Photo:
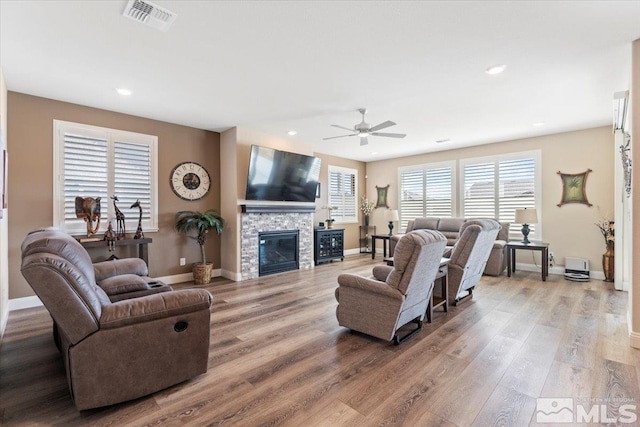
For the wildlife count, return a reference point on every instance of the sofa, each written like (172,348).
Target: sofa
(450,228)
(122,350)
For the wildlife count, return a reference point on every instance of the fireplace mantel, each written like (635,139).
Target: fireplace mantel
(278,208)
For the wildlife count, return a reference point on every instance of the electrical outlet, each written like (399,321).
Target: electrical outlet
(183,261)
(551,259)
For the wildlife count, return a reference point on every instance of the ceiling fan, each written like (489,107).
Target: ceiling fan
(363,130)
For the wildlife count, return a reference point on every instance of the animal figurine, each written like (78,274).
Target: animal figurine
(110,237)
(139,234)
(88,209)
(120,227)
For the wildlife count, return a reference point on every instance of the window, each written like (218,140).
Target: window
(426,190)
(343,193)
(90,161)
(494,187)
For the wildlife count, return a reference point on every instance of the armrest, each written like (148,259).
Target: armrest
(369,285)
(106,269)
(381,272)
(499,244)
(152,307)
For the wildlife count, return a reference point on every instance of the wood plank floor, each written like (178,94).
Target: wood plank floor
(278,357)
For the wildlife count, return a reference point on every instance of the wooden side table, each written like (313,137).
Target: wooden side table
(443,300)
(385,242)
(532,246)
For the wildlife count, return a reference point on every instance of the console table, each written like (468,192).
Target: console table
(142,244)
(329,244)
(532,246)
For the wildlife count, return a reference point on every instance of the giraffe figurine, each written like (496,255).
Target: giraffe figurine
(120,228)
(139,234)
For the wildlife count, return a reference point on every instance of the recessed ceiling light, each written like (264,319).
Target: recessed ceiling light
(373,153)
(495,69)
(292,132)
(538,124)
(442,141)
(124,92)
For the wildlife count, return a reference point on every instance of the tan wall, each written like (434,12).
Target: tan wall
(31,170)
(569,229)
(634,127)
(4,222)
(229,205)
(351,231)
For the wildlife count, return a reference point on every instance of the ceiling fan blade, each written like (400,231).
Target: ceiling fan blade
(341,136)
(342,127)
(364,140)
(382,126)
(389,135)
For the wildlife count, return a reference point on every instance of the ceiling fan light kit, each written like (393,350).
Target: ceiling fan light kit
(364,130)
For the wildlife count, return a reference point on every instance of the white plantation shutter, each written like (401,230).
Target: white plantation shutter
(343,193)
(479,191)
(426,190)
(97,162)
(495,187)
(517,190)
(132,178)
(85,166)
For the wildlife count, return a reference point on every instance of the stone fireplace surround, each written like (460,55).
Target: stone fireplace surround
(254,223)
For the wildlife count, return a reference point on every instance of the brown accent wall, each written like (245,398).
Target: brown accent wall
(30,141)
(351,231)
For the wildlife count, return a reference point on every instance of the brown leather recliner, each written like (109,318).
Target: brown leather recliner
(114,351)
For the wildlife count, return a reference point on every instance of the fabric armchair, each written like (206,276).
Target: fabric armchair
(469,257)
(394,296)
(114,351)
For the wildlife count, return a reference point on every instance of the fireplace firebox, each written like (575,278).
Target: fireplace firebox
(278,251)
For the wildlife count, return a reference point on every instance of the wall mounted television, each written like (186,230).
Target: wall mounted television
(276,175)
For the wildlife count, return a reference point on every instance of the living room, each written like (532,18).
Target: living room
(222,145)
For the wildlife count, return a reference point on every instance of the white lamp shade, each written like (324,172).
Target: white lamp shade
(526,216)
(391,215)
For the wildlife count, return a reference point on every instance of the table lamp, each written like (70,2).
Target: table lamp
(391,215)
(525,217)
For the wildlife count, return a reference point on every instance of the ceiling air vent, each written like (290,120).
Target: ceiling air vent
(149,14)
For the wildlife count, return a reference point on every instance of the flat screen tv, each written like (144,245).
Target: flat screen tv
(276,175)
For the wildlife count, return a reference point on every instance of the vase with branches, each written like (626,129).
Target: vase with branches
(367,208)
(329,221)
(607,228)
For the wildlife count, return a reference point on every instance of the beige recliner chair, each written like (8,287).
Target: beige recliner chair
(394,296)
(469,257)
(114,351)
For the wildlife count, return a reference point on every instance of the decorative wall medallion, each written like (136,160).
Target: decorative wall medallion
(190,181)
(573,188)
(382,197)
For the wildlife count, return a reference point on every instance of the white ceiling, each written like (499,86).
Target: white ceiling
(274,66)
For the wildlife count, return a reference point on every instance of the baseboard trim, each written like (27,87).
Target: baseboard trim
(185,277)
(634,339)
(24,302)
(598,275)
(236,277)
(352,251)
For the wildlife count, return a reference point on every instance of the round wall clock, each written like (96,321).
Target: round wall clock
(190,181)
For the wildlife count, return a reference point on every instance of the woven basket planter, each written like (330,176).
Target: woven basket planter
(202,273)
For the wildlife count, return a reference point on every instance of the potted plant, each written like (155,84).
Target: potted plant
(192,221)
